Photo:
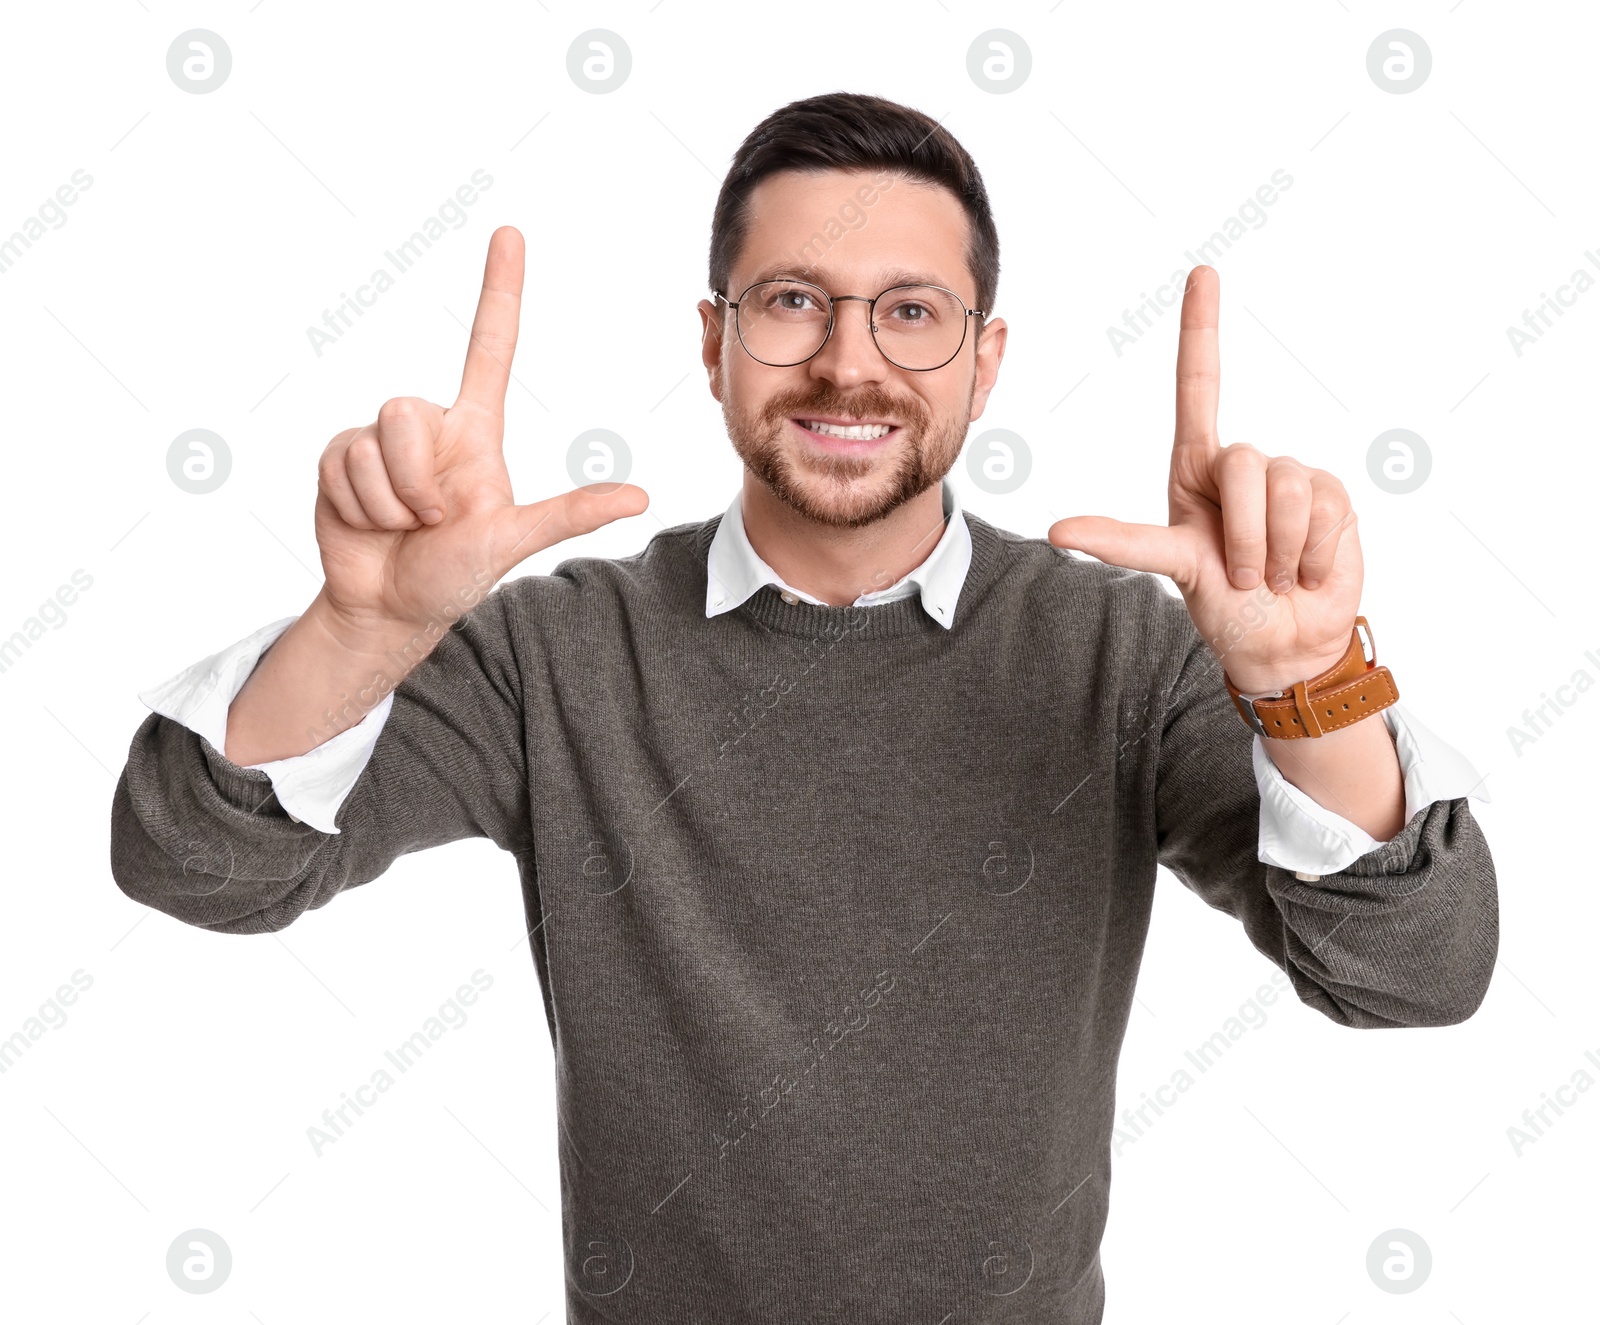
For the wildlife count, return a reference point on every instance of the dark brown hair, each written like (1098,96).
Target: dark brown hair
(853,131)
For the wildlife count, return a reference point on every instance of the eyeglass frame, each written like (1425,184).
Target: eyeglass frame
(872,326)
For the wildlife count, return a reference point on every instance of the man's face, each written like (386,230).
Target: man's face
(850,233)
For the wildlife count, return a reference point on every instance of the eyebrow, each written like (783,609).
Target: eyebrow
(820,276)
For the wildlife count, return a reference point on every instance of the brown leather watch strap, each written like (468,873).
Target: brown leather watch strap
(1355,687)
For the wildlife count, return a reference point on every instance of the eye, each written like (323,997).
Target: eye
(787,298)
(924,311)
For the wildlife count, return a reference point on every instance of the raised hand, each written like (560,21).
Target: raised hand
(415,509)
(1263,548)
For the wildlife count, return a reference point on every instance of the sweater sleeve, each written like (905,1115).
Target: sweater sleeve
(207,841)
(1404,935)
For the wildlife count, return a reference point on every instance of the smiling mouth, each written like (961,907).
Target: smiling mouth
(858,432)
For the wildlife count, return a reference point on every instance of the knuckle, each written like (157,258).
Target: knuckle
(336,447)
(364,448)
(1325,512)
(1292,483)
(399,410)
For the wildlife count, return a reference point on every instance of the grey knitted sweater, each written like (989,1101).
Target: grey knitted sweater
(836,914)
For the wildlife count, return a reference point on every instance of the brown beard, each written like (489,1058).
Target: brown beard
(925,452)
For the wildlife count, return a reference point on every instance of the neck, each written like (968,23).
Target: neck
(839,565)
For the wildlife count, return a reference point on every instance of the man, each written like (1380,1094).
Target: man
(837,815)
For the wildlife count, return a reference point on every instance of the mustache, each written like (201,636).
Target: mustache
(867,402)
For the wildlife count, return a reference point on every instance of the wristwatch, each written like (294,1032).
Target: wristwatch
(1352,689)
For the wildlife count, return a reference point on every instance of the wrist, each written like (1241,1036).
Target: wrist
(369,635)
(1282,676)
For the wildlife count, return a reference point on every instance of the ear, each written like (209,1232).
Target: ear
(991,349)
(711,344)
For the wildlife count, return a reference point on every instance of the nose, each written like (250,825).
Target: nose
(850,356)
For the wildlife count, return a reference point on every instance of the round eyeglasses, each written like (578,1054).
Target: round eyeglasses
(785,322)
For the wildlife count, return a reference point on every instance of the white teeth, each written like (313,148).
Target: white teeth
(864,432)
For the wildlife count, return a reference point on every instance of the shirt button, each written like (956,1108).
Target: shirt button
(789,597)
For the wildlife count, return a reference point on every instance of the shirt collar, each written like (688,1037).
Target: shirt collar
(734,571)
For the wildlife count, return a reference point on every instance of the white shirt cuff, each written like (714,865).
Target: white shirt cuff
(1296,833)
(312,786)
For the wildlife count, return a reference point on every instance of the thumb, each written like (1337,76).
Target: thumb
(520,531)
(1158,548)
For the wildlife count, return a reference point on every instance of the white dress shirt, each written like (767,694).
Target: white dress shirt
(1296,833)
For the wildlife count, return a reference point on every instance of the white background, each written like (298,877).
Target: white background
(219,227)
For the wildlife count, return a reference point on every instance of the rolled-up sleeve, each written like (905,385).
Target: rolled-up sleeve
(1405,933)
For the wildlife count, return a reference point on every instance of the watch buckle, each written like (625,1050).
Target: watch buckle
(1252,719)
(1369,650)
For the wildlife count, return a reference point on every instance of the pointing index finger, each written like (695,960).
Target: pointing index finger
(1199,363)
(494,326)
